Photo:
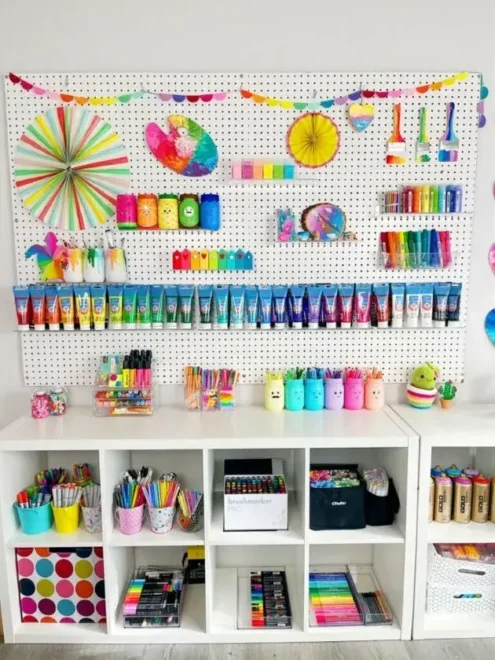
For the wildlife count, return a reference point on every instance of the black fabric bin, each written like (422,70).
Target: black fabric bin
(337,508)
(382,510)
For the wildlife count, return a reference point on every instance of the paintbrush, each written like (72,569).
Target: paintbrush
(449,144)
(396,150)
(423,146)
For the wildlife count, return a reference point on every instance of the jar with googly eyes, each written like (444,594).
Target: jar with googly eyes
(374,394)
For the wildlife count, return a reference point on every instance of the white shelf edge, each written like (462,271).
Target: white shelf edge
(176,537)
(53,539)
(368,535)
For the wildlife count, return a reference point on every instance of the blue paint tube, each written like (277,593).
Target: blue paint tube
(314,297)
(280,306)
(426,307)
(413,298)
(171,306)
(440,304)
(398,294)
(265,294)
(236,307)
(251,304)
(186,294)
(454,304)
(221,304)
(205,295)
(363,305)
(346,295)
(296,295)
(382,302)
(329,305)
(156,306)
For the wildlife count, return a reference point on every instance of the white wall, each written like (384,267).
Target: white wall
(254,35)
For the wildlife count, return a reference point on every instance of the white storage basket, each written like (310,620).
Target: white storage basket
(458,573)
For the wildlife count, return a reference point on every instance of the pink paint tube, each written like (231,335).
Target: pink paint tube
(346,292)
(381,294)
(362,302)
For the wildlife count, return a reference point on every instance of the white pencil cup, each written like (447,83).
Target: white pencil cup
(115,265)
(92,518)
(161,520)
(73,267)
(94,265)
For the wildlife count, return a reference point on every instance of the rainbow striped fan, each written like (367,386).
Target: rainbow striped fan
(69,168)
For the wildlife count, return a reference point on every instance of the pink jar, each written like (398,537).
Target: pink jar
(353,393)
(40,404)
(374,394)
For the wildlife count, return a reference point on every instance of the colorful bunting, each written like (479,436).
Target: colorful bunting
(434,86)
(110,100)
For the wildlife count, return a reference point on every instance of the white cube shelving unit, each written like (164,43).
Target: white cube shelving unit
(194,445)
(463,435)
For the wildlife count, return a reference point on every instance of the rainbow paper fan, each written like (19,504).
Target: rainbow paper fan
(313,140)
(69,168)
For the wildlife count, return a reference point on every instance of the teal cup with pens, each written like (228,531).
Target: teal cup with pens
(314,394)
(294,394)
(35,520)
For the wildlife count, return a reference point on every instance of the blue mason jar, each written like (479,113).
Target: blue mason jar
(209,212)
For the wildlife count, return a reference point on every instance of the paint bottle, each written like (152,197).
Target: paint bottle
(443,499)
(462,500)
(481,499)
(431,500)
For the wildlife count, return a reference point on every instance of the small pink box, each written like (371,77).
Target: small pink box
(247,169)
(236,171)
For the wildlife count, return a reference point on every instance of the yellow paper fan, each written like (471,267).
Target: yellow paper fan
(313,140)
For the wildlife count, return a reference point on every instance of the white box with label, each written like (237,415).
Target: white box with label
(254,511)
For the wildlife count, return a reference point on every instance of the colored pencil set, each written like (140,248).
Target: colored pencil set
(189,501)
(332,602)
(128,495)
(424,199)
(259,484)
(428,248)
(161,494)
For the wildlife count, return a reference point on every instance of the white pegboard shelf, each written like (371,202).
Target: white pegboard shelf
(228,331)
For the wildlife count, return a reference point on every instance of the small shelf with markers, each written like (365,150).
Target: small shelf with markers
(410,250)
(425,199)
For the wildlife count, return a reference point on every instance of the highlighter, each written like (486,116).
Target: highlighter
(392,241)
(411,248)
(435,250)
(417,241)
(401,249)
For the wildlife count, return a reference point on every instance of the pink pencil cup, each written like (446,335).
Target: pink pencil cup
(353,393)
(130,520)
(374,394)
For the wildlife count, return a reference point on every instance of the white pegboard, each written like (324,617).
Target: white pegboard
(242,128)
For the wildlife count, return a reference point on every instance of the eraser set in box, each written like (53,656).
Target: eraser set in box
(263,169)
(255,495)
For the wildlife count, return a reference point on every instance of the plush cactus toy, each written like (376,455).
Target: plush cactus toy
(425,376)
(447,391)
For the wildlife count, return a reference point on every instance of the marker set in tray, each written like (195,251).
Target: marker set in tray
(154,598)
(263,598)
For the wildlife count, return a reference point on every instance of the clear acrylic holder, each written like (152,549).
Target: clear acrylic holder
(123,401)
(192,398)
(161,615)
(364,581)
(416,261)
(244,602)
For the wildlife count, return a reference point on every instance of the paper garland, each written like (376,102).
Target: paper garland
(355,96)
(111,100)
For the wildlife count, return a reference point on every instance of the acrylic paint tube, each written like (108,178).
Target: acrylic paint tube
(426,307)
(143,307)
(398,294)
(329,305)
(362,302)
(314,304)
(280,306)
(266,294)
(381,293)
(171,306)
(221,305)
(66,302)
(205,294)
(186,294)
(23,307)
(454,304)
(251,304)
(236,294)
(83,305)
(440,304)
(52,307)
(296,295)
(156,293)
(346,293)
(38,299)
(115,305)
(99,305)
(413,301)
(130,306)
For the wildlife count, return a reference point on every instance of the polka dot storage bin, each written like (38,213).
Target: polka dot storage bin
(66,585)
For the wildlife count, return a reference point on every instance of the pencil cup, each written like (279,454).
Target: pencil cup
(161,519)
(227,398)
(294,395)
(314,394)
(334,394)
(130,520)
(374,394)
(210,400)
(73,266)
(37,520)
(66,518)
(353,393)
(92,518)
(274,395)
(194,523)
(192,398)
(115,265)
(94,265)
